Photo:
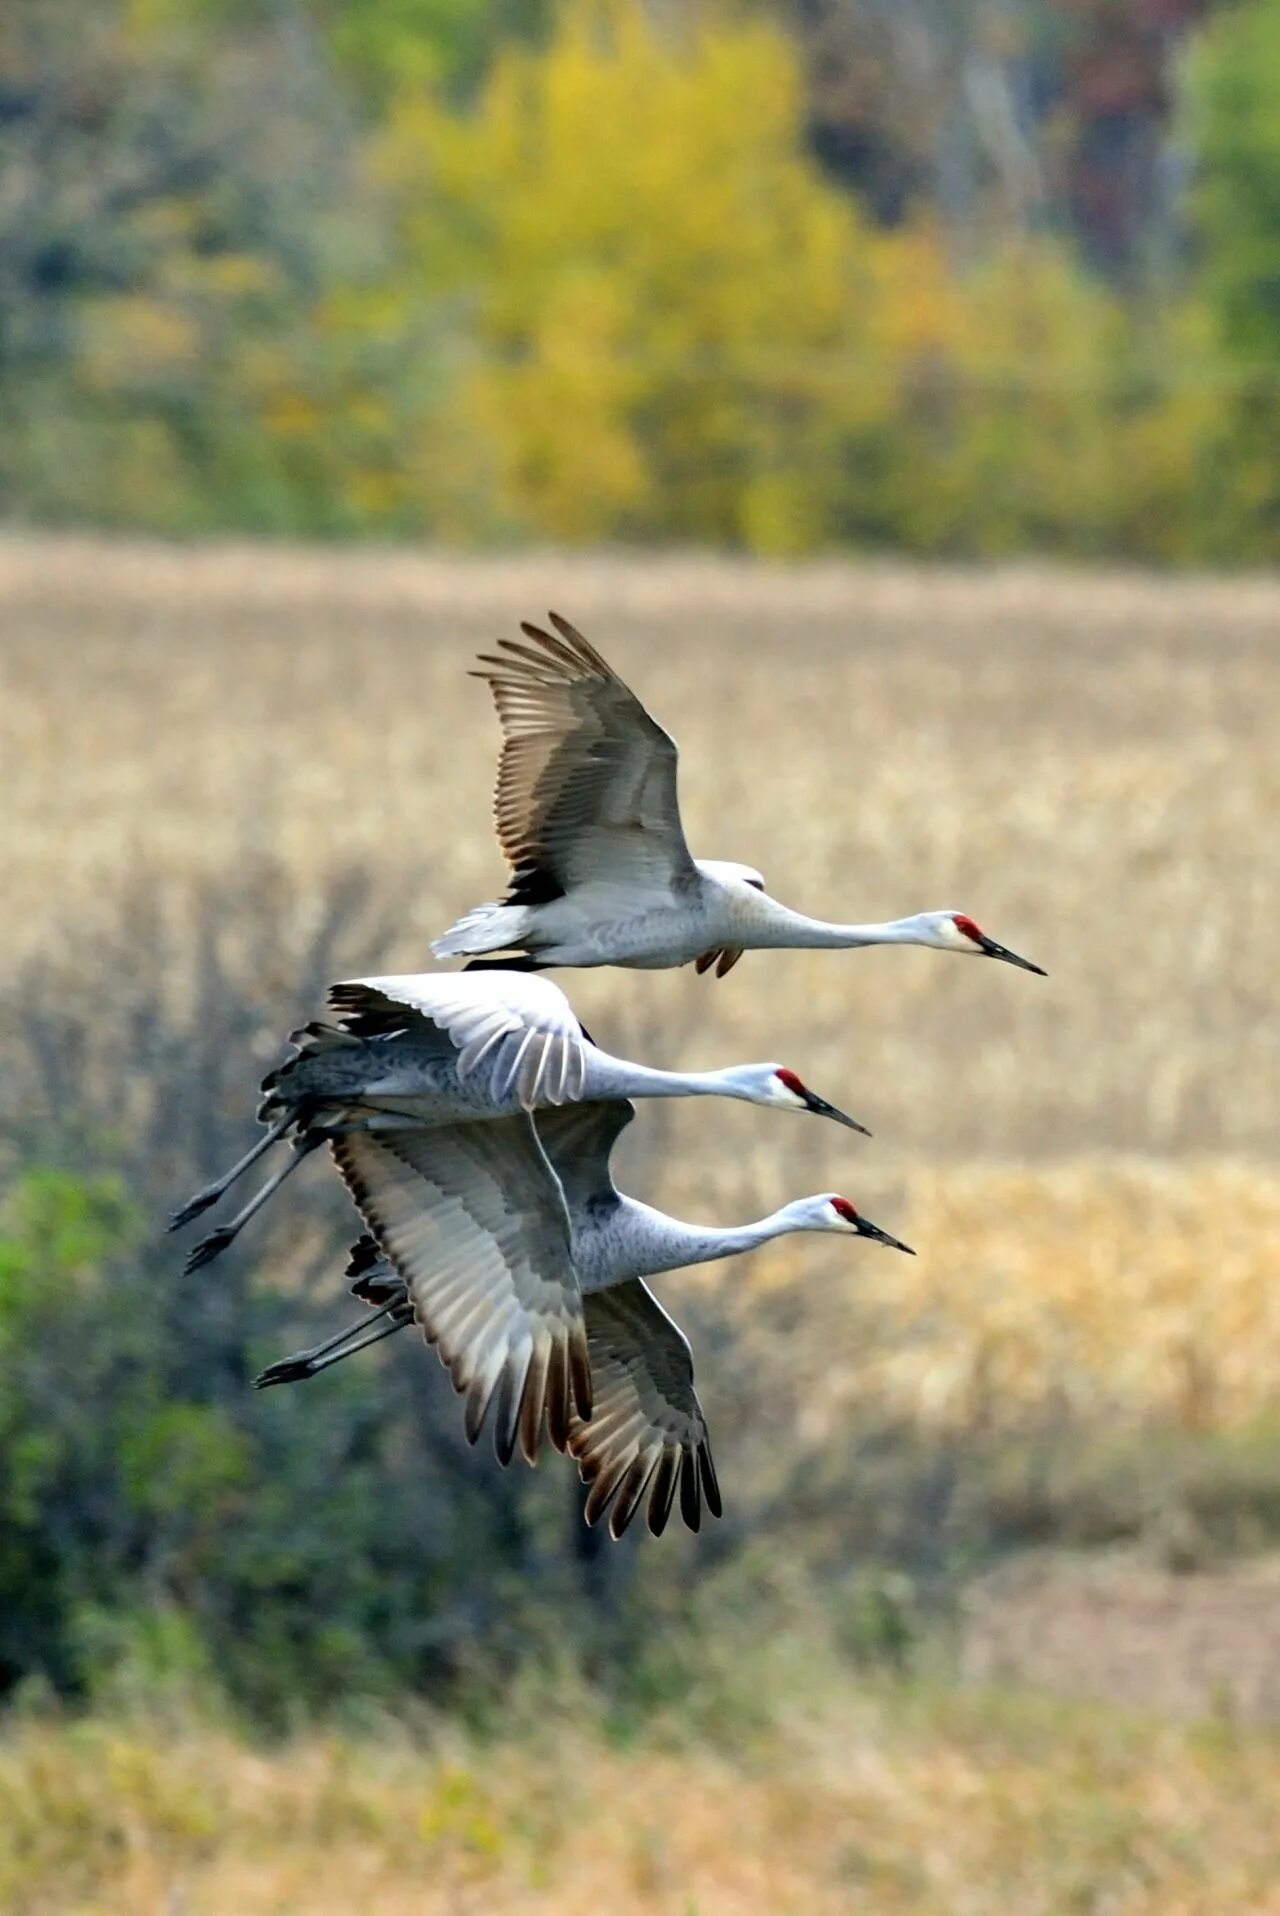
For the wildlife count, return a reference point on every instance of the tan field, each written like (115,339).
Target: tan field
(1085,764)
(919,1806)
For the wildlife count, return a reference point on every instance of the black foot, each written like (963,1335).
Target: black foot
(208,1248)
(193,1207)
(289,1370)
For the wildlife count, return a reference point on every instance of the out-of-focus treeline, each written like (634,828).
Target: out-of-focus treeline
(962,279)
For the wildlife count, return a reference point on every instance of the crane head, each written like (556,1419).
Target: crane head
(777,1085)
(956,931)
(840,1215)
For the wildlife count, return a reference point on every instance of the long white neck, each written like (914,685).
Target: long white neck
(772,924)
(609,1077)
(661,1243)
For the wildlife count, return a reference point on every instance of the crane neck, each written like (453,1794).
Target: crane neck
(781,926)
(673,1244)
(609,1077)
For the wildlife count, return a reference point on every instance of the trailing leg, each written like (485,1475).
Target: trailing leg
(212,1192)
(356,1337)
(217,1241)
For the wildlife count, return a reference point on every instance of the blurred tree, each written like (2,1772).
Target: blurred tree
(1234,123)
(307,1544)
(307,266)
(649,260)
(388,45)
(182,241)
(681,332)
(1005,115)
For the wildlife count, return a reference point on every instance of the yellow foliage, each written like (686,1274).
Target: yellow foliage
(1097,1291)
(650,257)
(616,298)
(681,329)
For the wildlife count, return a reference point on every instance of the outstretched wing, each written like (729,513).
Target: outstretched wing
(517,1024)
(474,1221)
(646,1431)
(587,780)
(579,1141)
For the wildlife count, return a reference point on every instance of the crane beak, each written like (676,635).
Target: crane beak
(821,1109)
(865,1228)
(990,949)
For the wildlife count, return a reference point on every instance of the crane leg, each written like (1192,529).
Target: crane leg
(212,1192)
(356,1337)
(217,1241)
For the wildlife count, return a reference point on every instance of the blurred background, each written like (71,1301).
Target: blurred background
(891,389)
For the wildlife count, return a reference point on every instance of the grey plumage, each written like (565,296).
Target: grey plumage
(524,1264)
(588,818)
(445,1048)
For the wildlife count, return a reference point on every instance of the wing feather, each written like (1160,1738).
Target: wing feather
(518,1026)
(578,1139)
(587,779)
(473,1219)
(647,1431)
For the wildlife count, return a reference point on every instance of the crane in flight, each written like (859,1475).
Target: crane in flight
(509,1244)
(449,1047)
(588,819)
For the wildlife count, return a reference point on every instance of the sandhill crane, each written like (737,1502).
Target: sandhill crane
(442,1047)
(512,1248)
(587,816)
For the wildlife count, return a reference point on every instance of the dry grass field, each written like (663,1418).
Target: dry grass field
(874,1802)
(1087,765)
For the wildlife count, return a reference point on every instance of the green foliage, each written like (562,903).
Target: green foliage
(390,45)
(164,1527)
(1235,91)
(1234,116)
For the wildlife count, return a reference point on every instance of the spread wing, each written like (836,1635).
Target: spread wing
(579,1141)
(474,1221)
(587,780)
(646,1431)
(517,1024)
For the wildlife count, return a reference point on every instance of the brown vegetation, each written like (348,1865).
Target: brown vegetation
(879,1801)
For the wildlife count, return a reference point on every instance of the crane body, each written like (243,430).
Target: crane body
(442,1049)
(511,1247)
(588,816)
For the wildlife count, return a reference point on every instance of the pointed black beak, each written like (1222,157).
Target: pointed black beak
(821,1109)
(991,949)
(866,1228)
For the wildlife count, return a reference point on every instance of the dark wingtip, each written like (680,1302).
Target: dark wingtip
(580,1378)
(522,961)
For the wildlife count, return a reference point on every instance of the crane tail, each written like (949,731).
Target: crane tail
(488,928)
